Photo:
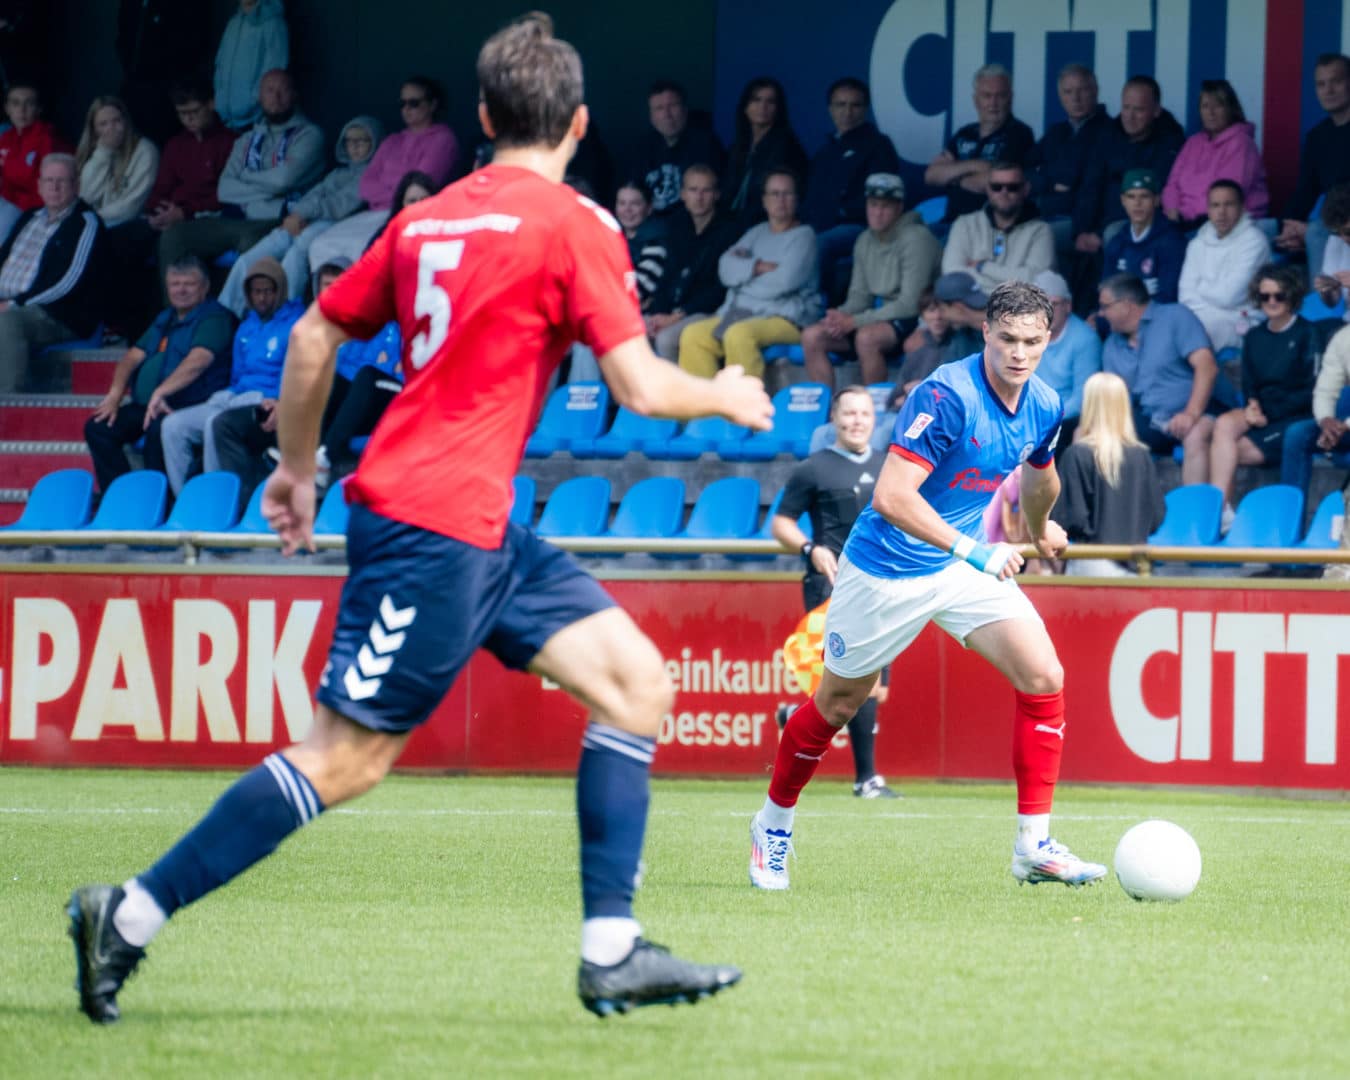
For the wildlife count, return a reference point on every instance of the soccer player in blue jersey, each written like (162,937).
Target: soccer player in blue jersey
(918,553)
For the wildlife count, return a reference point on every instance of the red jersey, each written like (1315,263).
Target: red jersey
(491,281)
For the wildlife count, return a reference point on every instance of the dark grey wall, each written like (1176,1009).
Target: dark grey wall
(349,55)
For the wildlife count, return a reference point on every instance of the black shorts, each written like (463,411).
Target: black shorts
(417,605)
(1270,439)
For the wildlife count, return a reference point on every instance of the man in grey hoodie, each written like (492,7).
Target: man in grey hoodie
(335,197)
(270,167)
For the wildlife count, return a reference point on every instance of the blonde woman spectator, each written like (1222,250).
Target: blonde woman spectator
(1109,492)
(117,164)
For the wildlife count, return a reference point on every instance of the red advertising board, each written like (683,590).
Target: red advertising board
(1164,683)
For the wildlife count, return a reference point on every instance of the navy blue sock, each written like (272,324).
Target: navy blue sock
(612,797)
(246,824)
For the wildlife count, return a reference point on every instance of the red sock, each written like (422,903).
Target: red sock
(1038,744)
(804,742)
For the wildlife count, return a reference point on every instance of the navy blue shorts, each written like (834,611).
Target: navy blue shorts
(417,605)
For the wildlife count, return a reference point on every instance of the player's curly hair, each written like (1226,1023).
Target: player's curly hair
(1013,299)
(530,81)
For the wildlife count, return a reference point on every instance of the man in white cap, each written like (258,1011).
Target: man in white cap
(1074,352)
(894,260)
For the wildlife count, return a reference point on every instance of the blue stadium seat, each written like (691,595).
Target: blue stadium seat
(331,519)
(575,411)
(628,432)
(252,520)
(727,509)
(522,500)
(798,410)
(1325,530)
(881,393)
(791,353)
(93,341)
(577,507)
(134,501)
(652,507)
(60,500)
(699,437)
(208,502)
(1314,309)
(932,211)
(765,531)
(1270,516)
(1192,518)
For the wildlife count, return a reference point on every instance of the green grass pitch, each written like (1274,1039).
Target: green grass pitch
(431,930)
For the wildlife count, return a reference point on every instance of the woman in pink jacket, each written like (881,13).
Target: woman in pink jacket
(423,145)
(1225,149)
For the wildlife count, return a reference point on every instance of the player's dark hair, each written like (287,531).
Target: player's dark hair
(1231,185)
(852,388)
(1127,287)
(1287,276)
(1149,83)
(1014,299)
(849,82)
(1336,207)
(668,86)
(531,83)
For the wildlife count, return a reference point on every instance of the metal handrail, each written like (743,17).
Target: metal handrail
(191,544)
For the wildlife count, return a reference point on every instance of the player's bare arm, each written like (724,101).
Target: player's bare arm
(649,386)
(898,500)
(288,499)
(1040,490)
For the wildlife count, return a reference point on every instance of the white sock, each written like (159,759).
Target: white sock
(776,817)
(1031,830)
(138,918)
(606,941)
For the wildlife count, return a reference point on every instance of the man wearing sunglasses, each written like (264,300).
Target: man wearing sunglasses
(1004,241)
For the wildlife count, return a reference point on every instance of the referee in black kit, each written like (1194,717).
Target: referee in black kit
(833,486)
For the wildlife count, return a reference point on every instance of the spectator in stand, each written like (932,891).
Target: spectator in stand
(117,164)
(255,43)
(1323,161)
(1333,281)
(1162,353)
(925,350)
(894,260)
(646,237)
(1328,430)
(412,188)
(1150,246)
(1144,136)
(963,166)
(424,145)
(1057,166)
(268,170)
(671,147)
(181,359)
(690,289)
(1006,240)
(1216,277)
(255,374)
(1225,149)
(953,332)
(1279,367)
(335,197)
(772,289)
(835,203)
(159,44)
(1073,356)
(23,145)
(1110,492)
(765,142)
(51,276)
(189,171)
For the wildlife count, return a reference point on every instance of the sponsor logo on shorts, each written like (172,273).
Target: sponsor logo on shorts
(836,645)
(920,422)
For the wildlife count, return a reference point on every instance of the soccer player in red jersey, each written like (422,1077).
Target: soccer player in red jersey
(490,281)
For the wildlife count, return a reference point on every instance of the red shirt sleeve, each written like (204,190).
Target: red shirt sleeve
(361,301)
(602,299)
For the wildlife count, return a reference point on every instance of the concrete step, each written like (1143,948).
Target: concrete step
(38,417)
(22,464)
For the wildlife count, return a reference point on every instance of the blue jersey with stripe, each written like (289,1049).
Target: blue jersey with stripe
(954,425)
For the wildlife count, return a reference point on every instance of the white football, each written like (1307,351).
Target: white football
(1157,860)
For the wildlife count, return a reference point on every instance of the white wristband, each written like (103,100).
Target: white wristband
(962,547)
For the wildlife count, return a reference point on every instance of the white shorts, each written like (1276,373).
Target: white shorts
(872,620)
